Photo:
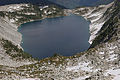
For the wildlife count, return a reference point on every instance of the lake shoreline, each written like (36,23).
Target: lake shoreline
(48,19)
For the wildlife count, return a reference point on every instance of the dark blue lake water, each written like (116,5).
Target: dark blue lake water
(64,35)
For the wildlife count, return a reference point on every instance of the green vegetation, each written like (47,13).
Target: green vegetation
(56,11)
(11,49)
(2,14)
(25,15)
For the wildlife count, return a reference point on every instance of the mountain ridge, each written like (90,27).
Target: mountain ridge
(60,3)
(35,2)
(78,3)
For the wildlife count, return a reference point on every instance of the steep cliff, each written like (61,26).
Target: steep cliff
(110,29)
(96,16)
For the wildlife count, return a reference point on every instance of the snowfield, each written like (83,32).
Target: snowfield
(81,66)
(114,72)
(31,79)
(81,78)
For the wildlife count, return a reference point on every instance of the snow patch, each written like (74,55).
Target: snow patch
(31,79)
(101,52)
(12,20)
(81,66)
(112,57)
(30,13)
(81,78)
(114,72)
(45,7)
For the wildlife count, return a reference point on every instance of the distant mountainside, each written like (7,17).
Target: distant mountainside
(77,3)
(38,2)
(43,2)
(60,3)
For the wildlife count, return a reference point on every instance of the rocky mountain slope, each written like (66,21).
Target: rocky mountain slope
(41,2)
(35,2)
(96,16)
(100,62)
(11,17)
(77,3)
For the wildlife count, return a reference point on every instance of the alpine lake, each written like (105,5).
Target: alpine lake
(66,36)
